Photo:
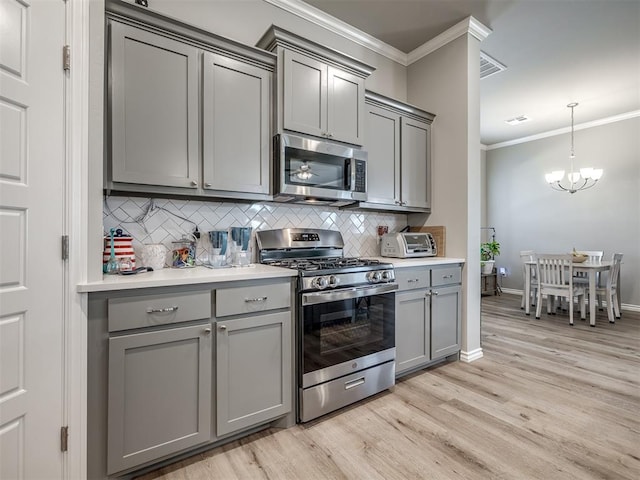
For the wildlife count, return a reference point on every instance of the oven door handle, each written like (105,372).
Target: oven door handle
(347,293)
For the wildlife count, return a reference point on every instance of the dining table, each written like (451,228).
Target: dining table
(591,268)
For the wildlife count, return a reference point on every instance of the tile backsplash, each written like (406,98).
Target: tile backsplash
(166,220)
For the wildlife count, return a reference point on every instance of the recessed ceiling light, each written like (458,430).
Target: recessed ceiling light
(518,120)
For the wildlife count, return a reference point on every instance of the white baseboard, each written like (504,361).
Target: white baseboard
(471,356)
(625,306)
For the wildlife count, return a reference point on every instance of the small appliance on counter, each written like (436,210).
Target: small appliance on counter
(408,245)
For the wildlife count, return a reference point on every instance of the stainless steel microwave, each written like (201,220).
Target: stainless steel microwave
(318,172)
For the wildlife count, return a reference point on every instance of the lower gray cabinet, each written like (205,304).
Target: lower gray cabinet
(159,398)
(253,370)
(412,330)
(428,315)
(446,314)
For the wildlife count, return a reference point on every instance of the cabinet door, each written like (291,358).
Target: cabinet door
(383,163)
(446,315)
(416,164)
(159,394)
(154,109)
(345,108)
(253,370)
(412,330)
(305,94)
(236,126)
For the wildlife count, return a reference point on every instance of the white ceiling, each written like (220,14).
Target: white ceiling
(555,51)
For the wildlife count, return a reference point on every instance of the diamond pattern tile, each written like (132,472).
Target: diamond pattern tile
(164,221)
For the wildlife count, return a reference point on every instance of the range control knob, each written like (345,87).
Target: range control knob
(333,281)
(387,275)
(374,277)
(320,282)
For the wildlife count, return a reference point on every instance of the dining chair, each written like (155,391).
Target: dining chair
(555,279)
(610,291)
(529,256)
(582,278)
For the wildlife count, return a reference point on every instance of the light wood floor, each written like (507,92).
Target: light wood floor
(547,401)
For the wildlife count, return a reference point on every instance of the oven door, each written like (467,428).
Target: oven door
(341,326)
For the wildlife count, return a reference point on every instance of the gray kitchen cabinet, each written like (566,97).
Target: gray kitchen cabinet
(320,91)
(154,109)
(322,100)
(236,125)
(428,315)
(412,330)
(253,370)
(189,112)
(253,355)
(398,143)
(159,394)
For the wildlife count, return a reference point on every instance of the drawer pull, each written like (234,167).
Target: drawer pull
(353,383)
(434,293)
(444,277)
(207,331)
(222,327)
(258,299)
(428,294)
(413,280)
(162,310)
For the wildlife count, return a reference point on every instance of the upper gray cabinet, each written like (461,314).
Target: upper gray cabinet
(320,91)
(398,142)
(188,112)
(237,134)
(154,109)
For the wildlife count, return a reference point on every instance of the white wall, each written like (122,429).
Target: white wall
(528,215)
(446,82)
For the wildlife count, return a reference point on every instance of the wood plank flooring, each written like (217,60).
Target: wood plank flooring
(547,401)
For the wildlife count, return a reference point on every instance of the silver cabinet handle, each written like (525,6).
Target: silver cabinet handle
(434,293)
(207,331)
(194,183)
(416,280)
(207,184)
(444,277)
(222,327)
(162,310)
(259,299)
(330,135)
(428,294)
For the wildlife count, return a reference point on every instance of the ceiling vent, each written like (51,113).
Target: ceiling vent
(489,66)
(518,120)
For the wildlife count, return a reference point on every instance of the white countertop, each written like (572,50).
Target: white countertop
(168,277)
(420,261)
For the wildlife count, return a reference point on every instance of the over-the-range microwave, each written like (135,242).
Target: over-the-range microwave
(319,172)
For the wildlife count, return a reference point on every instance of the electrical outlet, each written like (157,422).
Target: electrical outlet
(503,271)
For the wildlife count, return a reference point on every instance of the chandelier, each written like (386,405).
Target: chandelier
(585,178)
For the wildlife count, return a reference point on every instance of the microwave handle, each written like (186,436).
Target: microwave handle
(350,175)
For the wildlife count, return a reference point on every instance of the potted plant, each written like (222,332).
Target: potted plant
(488,253)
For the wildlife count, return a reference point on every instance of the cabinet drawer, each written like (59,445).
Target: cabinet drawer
(256,298)
(151,310)
(410,278)
(446,276)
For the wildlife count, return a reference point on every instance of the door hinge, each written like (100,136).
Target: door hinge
(65,247)
(64,439)
(66,57)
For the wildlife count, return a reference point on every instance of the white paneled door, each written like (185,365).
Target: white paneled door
(32,187)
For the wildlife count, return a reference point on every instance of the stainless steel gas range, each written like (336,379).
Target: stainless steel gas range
(346,318)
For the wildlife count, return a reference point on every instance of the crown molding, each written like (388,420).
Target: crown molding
(316,16)
(324,20)
(469,25)
(560,131)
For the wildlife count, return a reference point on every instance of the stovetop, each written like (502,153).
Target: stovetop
(330,265)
